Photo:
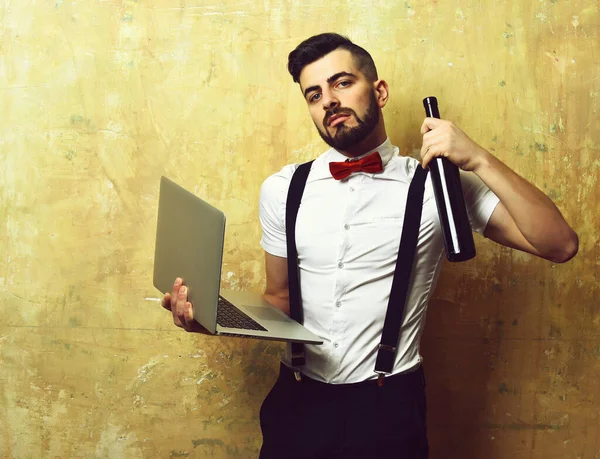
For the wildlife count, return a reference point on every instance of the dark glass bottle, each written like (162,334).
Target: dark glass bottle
(458,236)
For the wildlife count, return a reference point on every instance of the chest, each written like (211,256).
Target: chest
(358,220)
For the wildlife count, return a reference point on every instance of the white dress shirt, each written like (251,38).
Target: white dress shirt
(347,235)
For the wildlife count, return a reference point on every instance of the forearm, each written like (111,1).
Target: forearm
(277,292)
(535,215)
(278,301)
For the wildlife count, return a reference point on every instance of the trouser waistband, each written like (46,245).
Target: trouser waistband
(408,379)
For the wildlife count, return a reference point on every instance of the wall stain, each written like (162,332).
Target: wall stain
(504,389)
(554,332)
(75,322)
(208,442)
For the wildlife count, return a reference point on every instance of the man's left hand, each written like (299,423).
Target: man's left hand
(442,138)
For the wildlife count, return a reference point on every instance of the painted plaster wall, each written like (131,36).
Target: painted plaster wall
(100,98)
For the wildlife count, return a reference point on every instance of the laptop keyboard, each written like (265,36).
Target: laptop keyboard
(231,317)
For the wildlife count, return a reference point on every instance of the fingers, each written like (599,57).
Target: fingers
(430,148)
(190,323)
(427,155)
(179,309)
(176,286)
(188,315)
(435,139)
(429,124)
(186,320)
(171,300)
(166,302)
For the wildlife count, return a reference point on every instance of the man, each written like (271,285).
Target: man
(347,236)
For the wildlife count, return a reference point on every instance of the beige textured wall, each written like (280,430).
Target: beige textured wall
(99,98)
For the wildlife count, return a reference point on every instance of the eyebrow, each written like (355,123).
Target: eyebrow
(329,80)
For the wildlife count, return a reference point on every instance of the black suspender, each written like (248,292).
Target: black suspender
(291,212)
(408,242)
(386,353)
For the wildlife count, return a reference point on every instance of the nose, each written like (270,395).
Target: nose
(329,100)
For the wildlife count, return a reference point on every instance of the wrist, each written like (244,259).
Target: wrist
(484,160)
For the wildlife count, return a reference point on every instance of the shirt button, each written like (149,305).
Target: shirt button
(336,345)
(351,188)
(346,226)
(340,265)
(338,303)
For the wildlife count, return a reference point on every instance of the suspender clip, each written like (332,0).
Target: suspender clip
(298,359)
(388,359)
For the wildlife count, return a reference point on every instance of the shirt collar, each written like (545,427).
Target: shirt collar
(320,167)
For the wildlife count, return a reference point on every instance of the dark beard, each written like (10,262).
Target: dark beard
(346,137)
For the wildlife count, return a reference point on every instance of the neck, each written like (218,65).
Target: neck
(372,141)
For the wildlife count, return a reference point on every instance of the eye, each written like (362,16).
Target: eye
(315,97)
(344,84)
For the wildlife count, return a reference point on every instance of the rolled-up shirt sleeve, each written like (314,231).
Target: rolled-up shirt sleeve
(479,199)
(273,196)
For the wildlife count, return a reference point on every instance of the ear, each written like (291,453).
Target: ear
(382,93)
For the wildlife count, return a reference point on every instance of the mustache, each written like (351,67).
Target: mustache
(338,111)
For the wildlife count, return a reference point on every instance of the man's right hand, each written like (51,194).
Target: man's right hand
(181,308)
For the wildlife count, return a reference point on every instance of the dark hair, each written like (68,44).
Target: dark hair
(317,46)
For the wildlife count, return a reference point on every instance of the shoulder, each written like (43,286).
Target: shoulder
(402,167)
(279,182)
(408,165)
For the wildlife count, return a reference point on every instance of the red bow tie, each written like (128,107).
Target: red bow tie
(371,163)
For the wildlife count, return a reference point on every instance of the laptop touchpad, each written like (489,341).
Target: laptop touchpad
(263,313)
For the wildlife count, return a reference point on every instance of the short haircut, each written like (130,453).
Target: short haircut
(317,46)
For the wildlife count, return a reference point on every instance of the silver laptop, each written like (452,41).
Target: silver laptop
(189,244)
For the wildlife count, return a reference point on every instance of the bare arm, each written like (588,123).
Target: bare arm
(276,292)
(525,219)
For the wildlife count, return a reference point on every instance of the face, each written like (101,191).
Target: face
(342,103)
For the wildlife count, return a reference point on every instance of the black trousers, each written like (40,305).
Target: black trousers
(310,419)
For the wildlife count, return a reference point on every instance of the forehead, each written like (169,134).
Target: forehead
(317,72)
